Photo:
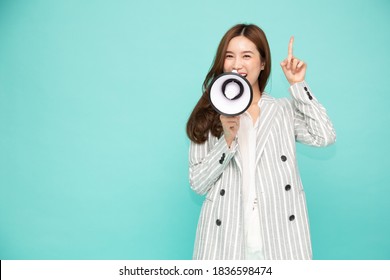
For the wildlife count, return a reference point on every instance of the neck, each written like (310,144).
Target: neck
(256,95)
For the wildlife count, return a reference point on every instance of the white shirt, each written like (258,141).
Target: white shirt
(247,146)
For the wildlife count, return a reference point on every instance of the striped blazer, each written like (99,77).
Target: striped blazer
(215,171)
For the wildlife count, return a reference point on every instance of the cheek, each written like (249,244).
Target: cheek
(254,76)
(227,66)
(255,71)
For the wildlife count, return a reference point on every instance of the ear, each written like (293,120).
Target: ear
(262,65)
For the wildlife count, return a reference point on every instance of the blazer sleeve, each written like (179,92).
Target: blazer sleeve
(207,161)
(312,125)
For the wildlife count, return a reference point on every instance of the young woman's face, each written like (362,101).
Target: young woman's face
(243,56)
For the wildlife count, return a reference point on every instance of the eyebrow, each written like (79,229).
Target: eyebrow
(241,52)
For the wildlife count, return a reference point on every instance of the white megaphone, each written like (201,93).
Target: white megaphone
(230,94)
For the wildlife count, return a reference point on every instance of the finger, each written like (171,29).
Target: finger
(294,65)
(283,63)
(235,119)
(226,118)
(233,122)
(229,117)
(290,48)
(301,64)
(288,64)
(229,121)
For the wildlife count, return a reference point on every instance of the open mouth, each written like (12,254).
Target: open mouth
(242,74)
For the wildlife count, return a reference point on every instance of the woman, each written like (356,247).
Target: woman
(255,205)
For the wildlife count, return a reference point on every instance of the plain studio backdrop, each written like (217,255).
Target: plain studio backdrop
(94,99)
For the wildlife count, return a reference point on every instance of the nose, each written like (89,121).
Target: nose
(237,64)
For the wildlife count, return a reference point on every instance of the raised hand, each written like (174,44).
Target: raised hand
(293,68)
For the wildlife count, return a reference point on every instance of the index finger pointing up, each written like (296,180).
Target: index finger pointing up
(290,48)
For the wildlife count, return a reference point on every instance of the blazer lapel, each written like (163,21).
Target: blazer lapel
(237,158)
(268,110)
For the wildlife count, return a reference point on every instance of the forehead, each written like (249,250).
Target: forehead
(240,44)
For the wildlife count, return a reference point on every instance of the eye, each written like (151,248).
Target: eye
(229,55)
(247,56)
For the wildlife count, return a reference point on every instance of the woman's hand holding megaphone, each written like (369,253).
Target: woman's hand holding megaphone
(230,127)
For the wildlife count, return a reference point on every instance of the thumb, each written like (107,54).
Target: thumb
(283,64)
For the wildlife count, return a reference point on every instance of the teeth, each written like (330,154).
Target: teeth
(242,74)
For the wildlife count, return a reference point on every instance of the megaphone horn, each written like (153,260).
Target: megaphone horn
(230,94)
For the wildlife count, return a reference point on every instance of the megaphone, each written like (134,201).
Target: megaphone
(230,94)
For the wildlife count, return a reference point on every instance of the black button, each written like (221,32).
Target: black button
(283,158)
(222,158)
(222,192)
(305,88)
(291,218)
(309,95)
(218,222)
(287,187)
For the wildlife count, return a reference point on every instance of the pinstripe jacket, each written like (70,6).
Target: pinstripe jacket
(215,171)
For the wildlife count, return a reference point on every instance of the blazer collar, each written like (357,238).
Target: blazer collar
(268,109)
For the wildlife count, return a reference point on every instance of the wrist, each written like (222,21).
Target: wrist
(229,142)
(293,82)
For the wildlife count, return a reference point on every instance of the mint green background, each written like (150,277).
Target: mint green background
(94,97)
